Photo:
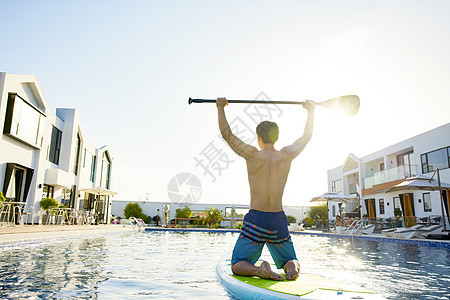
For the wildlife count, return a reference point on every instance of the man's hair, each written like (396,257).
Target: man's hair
(268,131)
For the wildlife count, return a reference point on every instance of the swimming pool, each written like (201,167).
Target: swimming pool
(168,265)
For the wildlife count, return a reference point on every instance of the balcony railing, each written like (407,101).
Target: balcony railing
(393,174)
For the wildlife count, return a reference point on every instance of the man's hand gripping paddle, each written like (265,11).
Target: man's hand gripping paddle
(348,104)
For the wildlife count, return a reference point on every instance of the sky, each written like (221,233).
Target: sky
(129,68)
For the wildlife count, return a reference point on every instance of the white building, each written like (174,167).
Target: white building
(43,154)
(370,177)
(157,209)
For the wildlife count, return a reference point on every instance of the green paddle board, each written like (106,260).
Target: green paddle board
(307,286)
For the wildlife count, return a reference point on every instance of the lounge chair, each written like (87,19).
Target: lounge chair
(363,229)
(368,229)
(408,233)
(433,229)
(391,231)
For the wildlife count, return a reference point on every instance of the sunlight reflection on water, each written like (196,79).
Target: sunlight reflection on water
(167,265)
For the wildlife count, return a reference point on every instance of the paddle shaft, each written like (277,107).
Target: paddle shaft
(348,104)
(245,101)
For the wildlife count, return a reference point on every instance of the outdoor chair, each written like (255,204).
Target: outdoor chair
(25,214)
(392,231)
(408,233)
(435,220)
(433,229)
(5,213)
(423,221)
(73,217)
(52,215)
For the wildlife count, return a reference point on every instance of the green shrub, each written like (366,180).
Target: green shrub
(183,212)
(291,219)
(319,212)
(2,198)
(308,222)
(46,203)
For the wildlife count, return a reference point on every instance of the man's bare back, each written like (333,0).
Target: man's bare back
(268,168)
(267,171)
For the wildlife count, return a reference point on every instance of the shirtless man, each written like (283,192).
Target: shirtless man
(266,222)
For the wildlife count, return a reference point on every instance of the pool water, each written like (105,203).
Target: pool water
(170,265)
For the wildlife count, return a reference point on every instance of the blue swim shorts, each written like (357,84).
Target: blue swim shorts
(260,228)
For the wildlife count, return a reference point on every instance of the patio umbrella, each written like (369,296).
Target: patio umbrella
(99,191)
(424,184)
(331,196)
(419,183)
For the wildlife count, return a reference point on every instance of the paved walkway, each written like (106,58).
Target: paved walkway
(35,232)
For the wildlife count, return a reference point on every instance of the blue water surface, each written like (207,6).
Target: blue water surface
(181,265)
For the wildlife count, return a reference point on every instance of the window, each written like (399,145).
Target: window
(426,202)
(438,159)
(77,155)
(55,146)
(353,188)
(381,167)
(65,197)
(23,121)
(381,201)
(47,191)
(14,192)
(334,210)
(94,160)
(405,160)
(336,186)
(105,170)
(397,203)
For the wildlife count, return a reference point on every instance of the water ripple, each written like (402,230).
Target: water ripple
(167,265)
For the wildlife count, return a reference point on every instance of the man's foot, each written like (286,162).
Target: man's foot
(292,269)
(266,272)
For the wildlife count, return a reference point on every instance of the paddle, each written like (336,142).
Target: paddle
(348,104)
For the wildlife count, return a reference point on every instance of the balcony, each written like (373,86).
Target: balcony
(402,172)
(58,177)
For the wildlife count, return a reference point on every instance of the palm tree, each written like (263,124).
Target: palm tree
(213,216)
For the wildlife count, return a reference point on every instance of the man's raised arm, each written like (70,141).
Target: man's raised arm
(297,147)
(238,146)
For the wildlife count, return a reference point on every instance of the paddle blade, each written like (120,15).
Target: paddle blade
(348,104)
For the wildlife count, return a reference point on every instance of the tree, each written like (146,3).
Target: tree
(320,211)
(132,210)
(213,216)
(156,219)
(2,198)
(183,212)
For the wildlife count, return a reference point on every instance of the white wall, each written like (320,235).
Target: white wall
(14,151)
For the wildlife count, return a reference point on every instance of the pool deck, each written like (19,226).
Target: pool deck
(14,236)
